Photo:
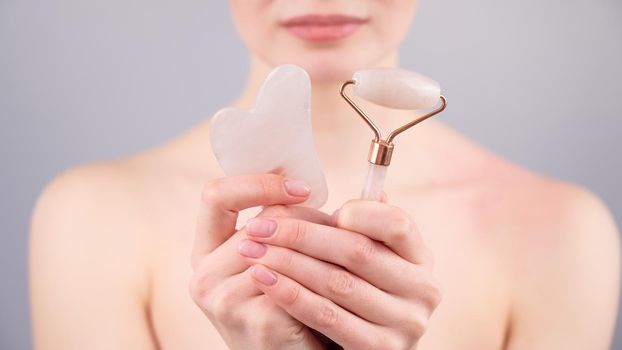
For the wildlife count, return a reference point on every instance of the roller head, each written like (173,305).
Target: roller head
(397,88)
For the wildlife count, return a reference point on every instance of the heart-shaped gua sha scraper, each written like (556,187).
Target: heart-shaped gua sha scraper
(273,136)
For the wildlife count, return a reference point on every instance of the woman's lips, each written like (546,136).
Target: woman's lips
(323,27)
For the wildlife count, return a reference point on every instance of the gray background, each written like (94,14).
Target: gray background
(537,81)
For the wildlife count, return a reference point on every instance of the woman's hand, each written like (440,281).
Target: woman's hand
(222,285)
(366,283)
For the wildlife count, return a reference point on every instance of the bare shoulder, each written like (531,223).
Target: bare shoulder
(93,237)
(92,215)
(115,201)
(92,194)
(122,193)
(548,214)
(562,251)
(544,204)
(88,260)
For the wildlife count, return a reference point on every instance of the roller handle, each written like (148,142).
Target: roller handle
(374,182)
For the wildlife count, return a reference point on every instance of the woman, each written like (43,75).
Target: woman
(521,261)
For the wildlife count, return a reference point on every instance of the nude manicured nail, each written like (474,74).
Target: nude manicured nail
(297,188)
(264,276)
(251,249)
(260,227)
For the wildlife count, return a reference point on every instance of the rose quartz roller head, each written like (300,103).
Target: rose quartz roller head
(274,135)
(393,88)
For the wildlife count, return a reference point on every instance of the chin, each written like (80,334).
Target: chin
(327,67)
(329,71)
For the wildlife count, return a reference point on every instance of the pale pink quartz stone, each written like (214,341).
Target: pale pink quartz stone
(397,88)
(274,135)
(393,88)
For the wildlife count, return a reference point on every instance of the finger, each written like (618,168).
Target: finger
(224,260)
(332,282)
(384,223)
(234,289)
(222,302)
(366,258)
(302,213)
(317,312)
(223,198)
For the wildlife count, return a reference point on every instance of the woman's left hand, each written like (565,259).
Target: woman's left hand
(365,282)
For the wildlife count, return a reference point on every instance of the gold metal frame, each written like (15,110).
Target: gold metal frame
(380,150)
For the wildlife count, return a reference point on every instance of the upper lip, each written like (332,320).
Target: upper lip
(321,19)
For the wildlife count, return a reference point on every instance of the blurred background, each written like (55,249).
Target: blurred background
(536,81)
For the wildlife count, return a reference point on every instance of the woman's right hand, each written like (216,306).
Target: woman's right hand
(222,286)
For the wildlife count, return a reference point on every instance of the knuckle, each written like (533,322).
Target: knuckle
(325,317)
(268,326)
(200,285)
(363,251)
(216,300)
(300,233)
(400,225)
(287,260)
(416,327)
(389,342)
(340,283)
(262,323)
(295,334)
(292,294)
(426,290)
(434,294)
(270,184)
(265,186)
(217,305)
(346,213)
(216,308)
(211,192)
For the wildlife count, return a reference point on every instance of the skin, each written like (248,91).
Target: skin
(370,288)
(466,251)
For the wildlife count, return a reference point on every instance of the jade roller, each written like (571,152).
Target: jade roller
(392,88)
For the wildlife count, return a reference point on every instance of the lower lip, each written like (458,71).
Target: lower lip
(323,32)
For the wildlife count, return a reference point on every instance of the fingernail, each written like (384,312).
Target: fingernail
(264,276)
(297,188)
(251,249)
(260,227)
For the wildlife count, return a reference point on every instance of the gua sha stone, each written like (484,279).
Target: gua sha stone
(275,135)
